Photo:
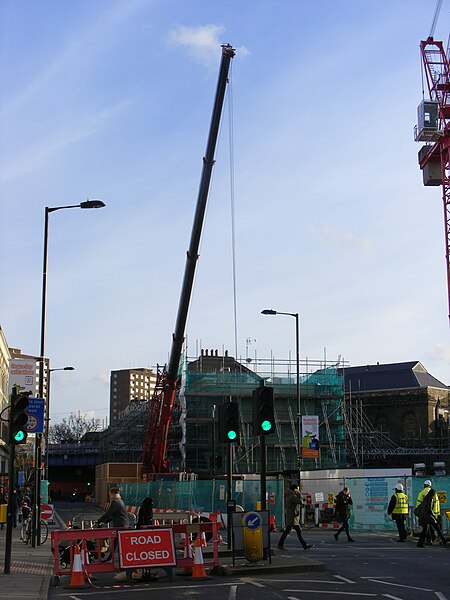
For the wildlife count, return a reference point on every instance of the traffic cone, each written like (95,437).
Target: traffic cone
(77,579)
(198,571)
(204,542)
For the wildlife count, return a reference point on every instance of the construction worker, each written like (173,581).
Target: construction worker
(436,508)
(398,508)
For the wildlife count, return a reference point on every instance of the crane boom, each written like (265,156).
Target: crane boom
(160,414)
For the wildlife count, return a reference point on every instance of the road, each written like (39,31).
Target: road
(375,566)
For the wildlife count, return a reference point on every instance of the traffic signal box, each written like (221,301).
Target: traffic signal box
(263,415)
(18,417)
(229,423)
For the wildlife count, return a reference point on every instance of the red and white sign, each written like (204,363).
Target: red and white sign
(146,548)
(46,512)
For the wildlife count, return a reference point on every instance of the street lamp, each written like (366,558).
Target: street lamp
(269,311)
(35,534)
(47,416)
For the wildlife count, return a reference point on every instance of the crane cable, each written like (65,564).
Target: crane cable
(232,208)
(435,18)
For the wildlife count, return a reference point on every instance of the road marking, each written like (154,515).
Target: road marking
(256,583)
(410,587)
(378,577)
(304,581)
(330,592)
(344,579)
(146,589)
(441,596)
(233,592)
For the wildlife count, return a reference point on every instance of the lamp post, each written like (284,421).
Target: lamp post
(35,533)
(268,311)
(47,417)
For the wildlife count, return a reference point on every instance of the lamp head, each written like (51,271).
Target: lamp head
(268,311)
(92,204)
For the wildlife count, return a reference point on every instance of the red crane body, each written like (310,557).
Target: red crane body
(434,159)
(161,404)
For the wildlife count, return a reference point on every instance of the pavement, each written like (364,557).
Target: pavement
(31,569)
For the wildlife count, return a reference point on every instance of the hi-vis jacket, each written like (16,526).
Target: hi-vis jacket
(398,504)
(436,504)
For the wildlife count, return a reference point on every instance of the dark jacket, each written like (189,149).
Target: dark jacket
(343,504)
(293,503)
(145,516)
(426,516)
(116,513)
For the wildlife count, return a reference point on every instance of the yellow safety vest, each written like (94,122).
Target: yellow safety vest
(401,504)
(436,504)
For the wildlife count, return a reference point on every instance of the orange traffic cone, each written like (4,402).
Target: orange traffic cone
(198,571)
(77,579)
(204,542)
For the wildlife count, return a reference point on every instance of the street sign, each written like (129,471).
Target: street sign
(46,512)
(146,548)
(252,520)
(35,415)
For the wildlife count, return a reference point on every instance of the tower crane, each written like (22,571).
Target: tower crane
(434,129)
(162,402)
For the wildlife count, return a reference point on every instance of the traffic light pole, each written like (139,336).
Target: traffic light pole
(262,444)
(230,496)
(9,519)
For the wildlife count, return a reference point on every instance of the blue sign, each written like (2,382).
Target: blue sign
(252,521)
(35,415)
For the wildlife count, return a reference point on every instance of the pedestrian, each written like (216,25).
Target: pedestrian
(427,519)
(398,508)
(343,503)
(15,507)
(436,509)
(145,516)
(116,513)
(3,500)
(293,503)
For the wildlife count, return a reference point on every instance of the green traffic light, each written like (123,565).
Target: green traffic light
(266,425)
(20,436)
(232,435)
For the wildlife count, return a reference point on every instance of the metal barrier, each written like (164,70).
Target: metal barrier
(97,547)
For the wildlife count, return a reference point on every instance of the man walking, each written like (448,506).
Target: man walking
(343,503)
(436,509)
(398,508)
(293,502)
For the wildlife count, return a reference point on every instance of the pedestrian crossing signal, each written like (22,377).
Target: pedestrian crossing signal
(229,423)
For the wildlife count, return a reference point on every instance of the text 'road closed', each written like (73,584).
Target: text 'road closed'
(146,548)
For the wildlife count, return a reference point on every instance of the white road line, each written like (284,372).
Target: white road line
(410,587)
(330,592)
(378,577)
(344,579)
(392,597)
(233,592)
(146,589)
(256,583)
(441,596)
(304,581)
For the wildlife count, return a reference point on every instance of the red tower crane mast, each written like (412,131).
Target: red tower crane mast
(434,128)
(161,404)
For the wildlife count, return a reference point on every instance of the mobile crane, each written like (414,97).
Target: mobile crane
(154,459)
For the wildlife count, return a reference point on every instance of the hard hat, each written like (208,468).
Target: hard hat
(427,483)
(399,487)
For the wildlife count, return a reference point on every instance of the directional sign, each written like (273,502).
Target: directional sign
(252,521)
(35,415)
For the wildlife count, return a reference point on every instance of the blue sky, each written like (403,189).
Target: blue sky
(112,100)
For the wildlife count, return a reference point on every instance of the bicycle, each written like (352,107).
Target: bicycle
(25,531)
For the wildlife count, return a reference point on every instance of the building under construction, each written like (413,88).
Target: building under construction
(391,414)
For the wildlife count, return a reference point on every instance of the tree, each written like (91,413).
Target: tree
(71,430)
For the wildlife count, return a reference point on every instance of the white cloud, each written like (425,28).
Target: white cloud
(200,42)
(343,239)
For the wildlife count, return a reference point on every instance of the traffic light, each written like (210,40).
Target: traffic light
(18,417)
(229,423)
(263,415)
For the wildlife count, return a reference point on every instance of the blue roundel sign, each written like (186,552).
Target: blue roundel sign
(252,521)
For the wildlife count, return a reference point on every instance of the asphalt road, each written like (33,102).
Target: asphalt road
(375,566)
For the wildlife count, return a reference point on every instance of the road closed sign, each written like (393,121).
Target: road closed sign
(146,548)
